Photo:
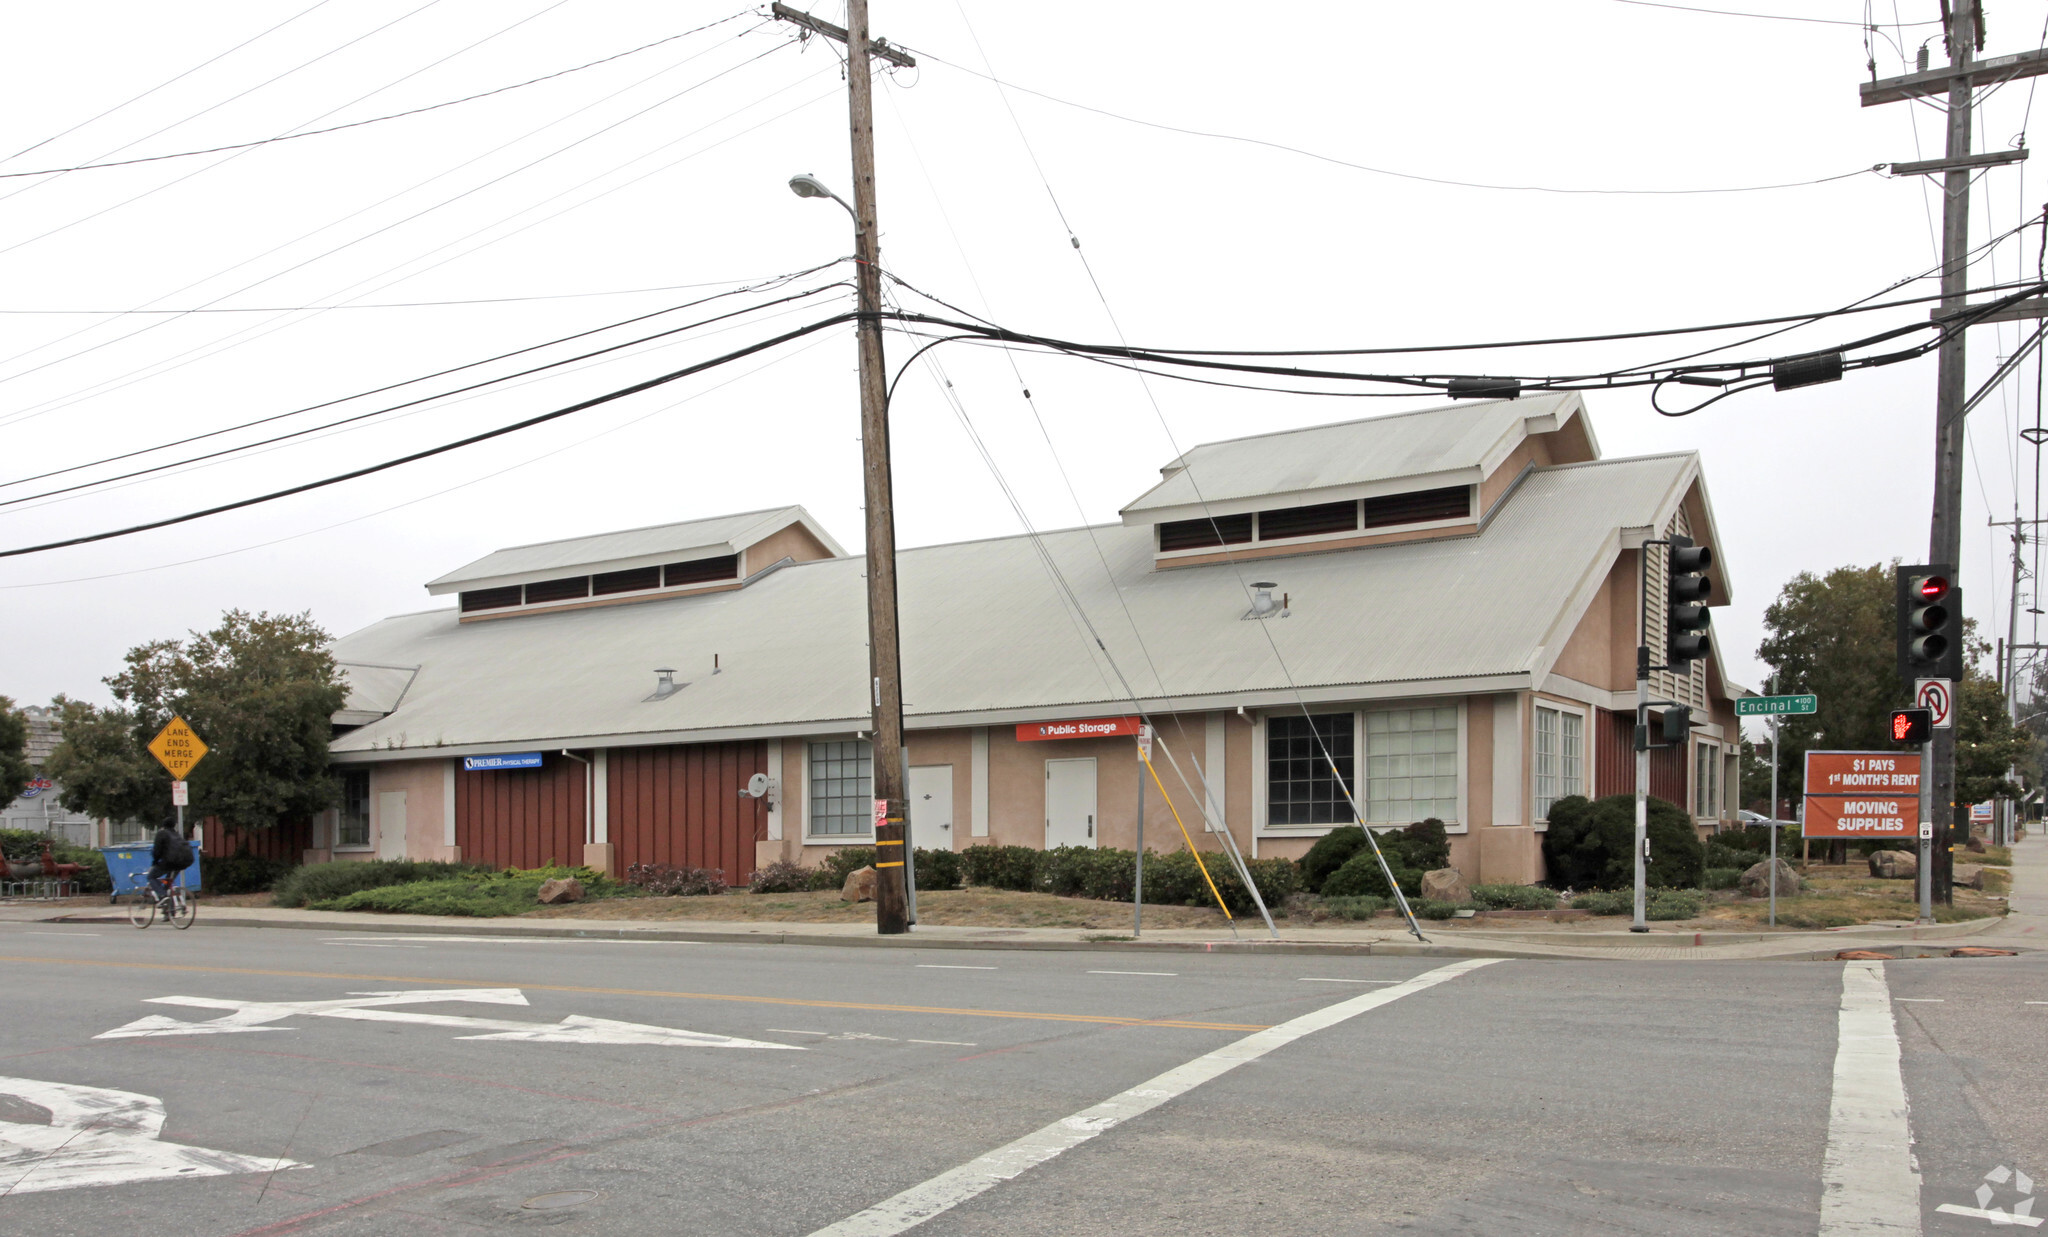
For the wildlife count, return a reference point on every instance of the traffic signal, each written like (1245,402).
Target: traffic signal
(1677,724)
(1912,725)
(1687,596)
(1930,623)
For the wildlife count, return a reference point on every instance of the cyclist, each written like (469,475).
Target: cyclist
(169,855)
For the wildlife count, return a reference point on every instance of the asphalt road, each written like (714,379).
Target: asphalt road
(696,1088)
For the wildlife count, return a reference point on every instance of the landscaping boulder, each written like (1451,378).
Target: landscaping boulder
(561,889)
(1975,845)
(1756,882)
(1966,876)
(859,887)
(1993,880)
(1901,865)
(1446,885)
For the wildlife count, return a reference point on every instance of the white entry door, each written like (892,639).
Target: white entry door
(391,825)
(931,806)
(1069,803)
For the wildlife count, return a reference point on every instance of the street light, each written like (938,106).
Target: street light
(805,185)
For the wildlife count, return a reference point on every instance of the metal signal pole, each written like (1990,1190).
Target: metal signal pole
(885,663)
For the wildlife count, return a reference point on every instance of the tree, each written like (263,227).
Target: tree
(15,770)
(1988,745)
(261,690)
(102,765)
(1834,636)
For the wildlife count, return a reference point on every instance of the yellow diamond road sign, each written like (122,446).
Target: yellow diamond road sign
(177,748)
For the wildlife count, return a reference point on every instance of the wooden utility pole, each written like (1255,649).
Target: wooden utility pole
(885,664)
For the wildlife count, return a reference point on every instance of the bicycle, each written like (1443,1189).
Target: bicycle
(175,907)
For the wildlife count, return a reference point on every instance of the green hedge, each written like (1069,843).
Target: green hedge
(1591,844)
(243,872)
(1514,897)
(477,894)
(322,882)
(1110,875)
(937,869)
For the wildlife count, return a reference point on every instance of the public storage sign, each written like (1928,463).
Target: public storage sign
(1862,795)
(1090,728)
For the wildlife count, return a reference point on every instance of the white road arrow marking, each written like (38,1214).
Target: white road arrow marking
(373,1007)
(98,1137)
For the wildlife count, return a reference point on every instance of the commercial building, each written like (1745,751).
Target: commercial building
(1441,603)
(37,807)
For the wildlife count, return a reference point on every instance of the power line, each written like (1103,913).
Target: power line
(1380,171)
(166,82)
(1816,21)
(458,444)
(303,309)
(763,285)
(357,124)
(425,399)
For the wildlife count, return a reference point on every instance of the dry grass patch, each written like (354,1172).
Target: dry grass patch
(1841,895)
(970,908)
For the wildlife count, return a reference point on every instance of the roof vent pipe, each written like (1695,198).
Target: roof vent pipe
(1262,598)
(664,683)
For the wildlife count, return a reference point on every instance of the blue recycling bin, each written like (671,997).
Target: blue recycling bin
(128,868)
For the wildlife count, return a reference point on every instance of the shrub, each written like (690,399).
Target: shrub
(1430,908)
(844,862)
(1000,867)
(668,881)
(782,876)
(323,882)
(1719,855)
(1606,901)
(1514,897)
(1349,908)
(26,845)
(1671,904)
(1423,846)
(937,869)
(243,872)
(1591,844)
(23,844)
(1721,878)
(476,893)
(1361,876)
(1328,854)
(1087,872)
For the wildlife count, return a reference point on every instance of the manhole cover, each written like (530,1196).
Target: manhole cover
(560,1198)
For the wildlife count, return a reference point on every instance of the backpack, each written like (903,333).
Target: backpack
(178,855)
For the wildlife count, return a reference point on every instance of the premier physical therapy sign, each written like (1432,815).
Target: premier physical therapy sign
(1862,795)
(1090,728)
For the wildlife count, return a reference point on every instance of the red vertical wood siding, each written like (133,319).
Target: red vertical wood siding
(288,841)
(1615,764)
(682,805)
(522,818)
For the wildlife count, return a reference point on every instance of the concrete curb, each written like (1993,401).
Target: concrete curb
(1625,947)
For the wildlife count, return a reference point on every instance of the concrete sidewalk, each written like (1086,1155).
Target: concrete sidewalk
(1443,940)
(2026,924)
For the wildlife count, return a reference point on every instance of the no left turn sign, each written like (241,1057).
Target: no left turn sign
(1938,697)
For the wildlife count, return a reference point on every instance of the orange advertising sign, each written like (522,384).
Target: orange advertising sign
(1862,795)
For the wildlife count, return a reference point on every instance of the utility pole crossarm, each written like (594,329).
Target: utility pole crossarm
(1938,81)
(876,47)
(1982,159)
(2018,311)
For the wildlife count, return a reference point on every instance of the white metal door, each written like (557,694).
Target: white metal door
(391,825)
(1069,803)
(931,806)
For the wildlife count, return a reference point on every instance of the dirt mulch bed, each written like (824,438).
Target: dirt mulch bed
(969,908)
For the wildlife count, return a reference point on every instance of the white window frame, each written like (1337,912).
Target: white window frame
(1585,752)
(811,800)
(1261,827)
(1702,759)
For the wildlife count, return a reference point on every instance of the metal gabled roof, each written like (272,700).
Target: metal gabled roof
(1425,449)
(635,547)
(987,634)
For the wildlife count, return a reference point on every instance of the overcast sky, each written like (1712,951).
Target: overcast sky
(666,169)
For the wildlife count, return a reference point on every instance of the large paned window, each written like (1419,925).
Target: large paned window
(352,821)
(842,789)
(1560,758)
(1300,788)
(1411,765)
(1706,767)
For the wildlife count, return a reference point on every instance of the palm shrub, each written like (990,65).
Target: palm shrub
(1591,844)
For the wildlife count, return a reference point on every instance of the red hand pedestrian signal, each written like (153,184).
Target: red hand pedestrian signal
(1912,725)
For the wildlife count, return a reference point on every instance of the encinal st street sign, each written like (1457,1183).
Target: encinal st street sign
(1766,706)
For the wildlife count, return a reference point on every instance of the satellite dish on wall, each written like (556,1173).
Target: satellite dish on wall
(757,785)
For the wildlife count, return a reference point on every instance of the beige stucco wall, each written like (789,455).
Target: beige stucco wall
(793,542)
(425,786)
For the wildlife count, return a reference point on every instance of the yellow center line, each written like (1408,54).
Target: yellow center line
(1105,1019)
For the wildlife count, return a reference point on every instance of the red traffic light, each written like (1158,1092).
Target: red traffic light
(1931,588)
(1912,725)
